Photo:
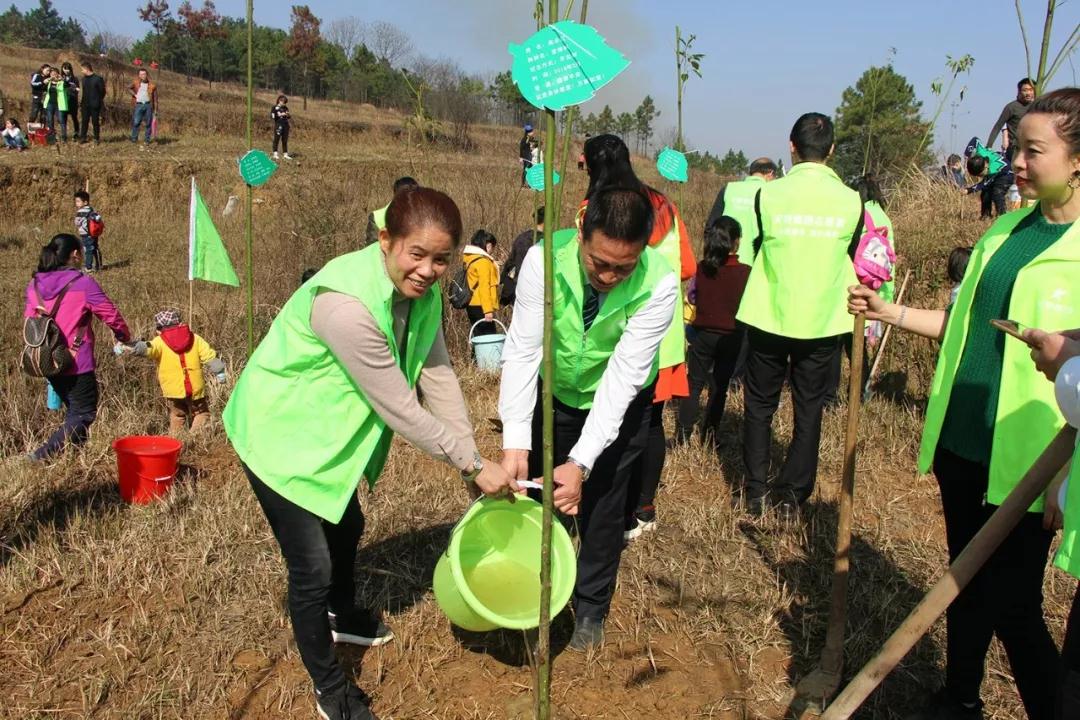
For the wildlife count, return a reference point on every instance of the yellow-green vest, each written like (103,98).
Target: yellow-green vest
(1046,294)
(1068,554)
(739,204)
(296,418)
(798,284)
(581,357)
(673,346)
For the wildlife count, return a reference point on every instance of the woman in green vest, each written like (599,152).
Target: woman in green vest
(989,416)
(56,103)
(316,407)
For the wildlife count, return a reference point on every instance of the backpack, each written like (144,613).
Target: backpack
(95,225)
(460,292)
(46,352)
(874,257)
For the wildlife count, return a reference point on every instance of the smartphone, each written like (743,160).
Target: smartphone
(1011,327)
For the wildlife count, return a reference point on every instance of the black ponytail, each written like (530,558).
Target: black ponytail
(720,239)
(57,254)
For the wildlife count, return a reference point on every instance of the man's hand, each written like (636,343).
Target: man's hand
(567,488)
(516,463)
(1049,351)
(489,316)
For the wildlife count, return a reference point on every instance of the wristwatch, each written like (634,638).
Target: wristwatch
(477,467)
(581,466)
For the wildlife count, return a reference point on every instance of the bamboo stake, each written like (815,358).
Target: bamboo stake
(820,684)
(884,341)
(543,684)
(1052,463)
(248,232)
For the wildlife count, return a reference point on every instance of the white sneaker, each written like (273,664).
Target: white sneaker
(288,156)
(276,156)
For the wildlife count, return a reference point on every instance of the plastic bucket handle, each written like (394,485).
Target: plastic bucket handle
(494,320)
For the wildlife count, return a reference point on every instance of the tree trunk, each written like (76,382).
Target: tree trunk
(305,85)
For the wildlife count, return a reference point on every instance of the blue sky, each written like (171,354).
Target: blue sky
(766,61)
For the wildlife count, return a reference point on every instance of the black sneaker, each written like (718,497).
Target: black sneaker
(757,506)
(588,634)
(348,703)
(788,512)
(360,627)
(943,706)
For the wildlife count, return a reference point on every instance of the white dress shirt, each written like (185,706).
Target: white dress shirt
(623,378)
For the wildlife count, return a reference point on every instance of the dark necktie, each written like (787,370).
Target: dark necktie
(590,307)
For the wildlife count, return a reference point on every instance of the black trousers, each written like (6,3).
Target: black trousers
(37,110)
(90,115)
(710,363)
(320,557)
(836,371)
(476,314)
(645,478)
(601,515)
(1068,705)
(281,135)
(992,196)
(767,366)
(79,393)
(1004,598)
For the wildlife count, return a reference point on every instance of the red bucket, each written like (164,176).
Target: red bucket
(146,466)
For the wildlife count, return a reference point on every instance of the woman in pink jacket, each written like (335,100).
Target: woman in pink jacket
(80,298)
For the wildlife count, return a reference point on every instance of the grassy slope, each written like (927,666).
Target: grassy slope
(177,610)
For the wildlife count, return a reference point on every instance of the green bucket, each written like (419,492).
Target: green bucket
(489,576)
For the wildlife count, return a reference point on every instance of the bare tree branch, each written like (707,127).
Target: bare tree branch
(389,43)
(1066,50)
(348,33)
(1023,35)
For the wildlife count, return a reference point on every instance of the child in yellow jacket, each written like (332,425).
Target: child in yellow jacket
(181,356)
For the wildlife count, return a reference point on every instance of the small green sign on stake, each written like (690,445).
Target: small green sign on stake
(564,64)
(672,165)
(534,176)
(256,167)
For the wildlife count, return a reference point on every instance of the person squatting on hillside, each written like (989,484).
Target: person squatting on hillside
(376,221)
(607,159)
(71,89)
(144,104)
(482,277)
(58,287)
(808,225)
(1010,117)
(88,227)
(994,175)
(14,138)
(614,298)
(989,415)
(718,338)
(280,115)
(38,81)
(181,356)
(314,412)
(93,101)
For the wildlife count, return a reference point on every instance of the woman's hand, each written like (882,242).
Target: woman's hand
(862,299)
(1053,516)
(1049,351)
(494,481)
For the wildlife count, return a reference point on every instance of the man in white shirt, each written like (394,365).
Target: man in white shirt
(614,299)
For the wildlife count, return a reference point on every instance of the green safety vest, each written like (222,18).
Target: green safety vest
(887,291)
(61,95)
(1068,554)
(739,204)
(673,346)
(296,418)
(380,216)
(1045,295)
(582,357)
(798,285)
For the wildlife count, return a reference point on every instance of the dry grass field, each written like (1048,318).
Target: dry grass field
(177,610)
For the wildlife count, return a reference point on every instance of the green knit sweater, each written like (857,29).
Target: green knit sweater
(969,422)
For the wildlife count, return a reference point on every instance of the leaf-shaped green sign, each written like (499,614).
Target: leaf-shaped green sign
(534,176)
(672,165)
(564,64)
(256,167)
